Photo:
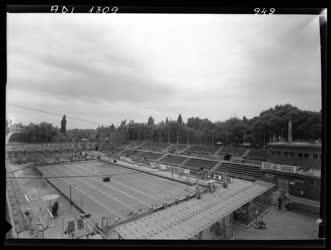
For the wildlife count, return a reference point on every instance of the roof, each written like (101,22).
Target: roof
(188,218)
(295,144)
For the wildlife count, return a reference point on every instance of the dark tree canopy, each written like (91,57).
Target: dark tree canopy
(64,125)
(306,125)
(180,120)
(150,121)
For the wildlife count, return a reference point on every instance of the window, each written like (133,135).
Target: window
(277,152)
(269,176)
(316,156)
(299,181)
(291,154)
(286,154)
(273,152)
(300,155)
(306,155)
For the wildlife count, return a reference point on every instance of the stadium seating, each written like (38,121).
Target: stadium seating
(130,152)
(173,159)
(153,146)
(283,160)
(257,155)
(150,155)
(175,148)
(111,148)
(237,152)
(239,170)
(196,165)
(200,150)
(133,145)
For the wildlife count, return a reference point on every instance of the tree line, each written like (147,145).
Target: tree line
(307,125)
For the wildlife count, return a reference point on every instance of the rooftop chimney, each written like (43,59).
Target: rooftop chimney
(290,131)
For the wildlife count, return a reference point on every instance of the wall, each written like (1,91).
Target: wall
(295,160)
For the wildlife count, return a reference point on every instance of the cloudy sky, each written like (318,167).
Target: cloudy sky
(107,68)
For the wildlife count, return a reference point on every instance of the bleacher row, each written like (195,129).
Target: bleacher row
(200,150)
(239,170)
(199,166)
(176,148)
(47,157)
(237,152)
(256,155)
(173,160)
(284,161)
(50,147)
(159,147)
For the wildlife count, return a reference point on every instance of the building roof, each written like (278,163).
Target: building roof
(295,144)
(185,220)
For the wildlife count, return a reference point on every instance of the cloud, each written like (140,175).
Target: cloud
(114,67)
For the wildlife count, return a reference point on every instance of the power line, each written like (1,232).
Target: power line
(50,113)
(74,176)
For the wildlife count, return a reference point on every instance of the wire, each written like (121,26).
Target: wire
(76,176)
(50,113)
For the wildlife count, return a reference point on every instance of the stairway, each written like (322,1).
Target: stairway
(182,164)
(188,146)
(246,153)
(214,168)
(218,151)
(166,149)
(159,159)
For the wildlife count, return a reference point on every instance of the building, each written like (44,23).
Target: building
(295,168)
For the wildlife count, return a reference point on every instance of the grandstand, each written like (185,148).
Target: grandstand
(248,172)
(176,148)
(150,155)
(196,165)
(151,146)
(130,152)
(133,145)
(256,155)
(173,159)
(200,150)
(233,151)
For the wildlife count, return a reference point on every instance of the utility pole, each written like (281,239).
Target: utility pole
(168,136)
(127,131)
(187,138)
(212,136)
(227,137)
(244,136)
(177,134)
(70,196)
(264,138)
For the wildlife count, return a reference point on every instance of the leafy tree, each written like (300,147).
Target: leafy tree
(180,120)
(64,125)
(150,121)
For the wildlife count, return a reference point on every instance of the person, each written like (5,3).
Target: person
(280,201)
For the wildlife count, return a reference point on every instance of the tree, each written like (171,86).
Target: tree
(55,208)
(180,120)
(150,121)
(64,125)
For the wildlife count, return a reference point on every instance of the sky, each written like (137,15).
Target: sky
(113,67)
